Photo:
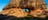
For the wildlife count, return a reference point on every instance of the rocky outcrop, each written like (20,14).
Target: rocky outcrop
(14,12)
(32,7)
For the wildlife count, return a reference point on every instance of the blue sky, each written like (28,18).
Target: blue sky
(46,3)
(3,3)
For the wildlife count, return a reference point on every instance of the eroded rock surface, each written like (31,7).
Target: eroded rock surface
(16,8)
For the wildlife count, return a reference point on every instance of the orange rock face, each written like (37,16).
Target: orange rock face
(15,12)
(16,8)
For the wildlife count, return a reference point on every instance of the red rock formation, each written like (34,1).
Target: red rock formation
(15,8)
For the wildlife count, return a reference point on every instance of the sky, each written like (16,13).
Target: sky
(3,3)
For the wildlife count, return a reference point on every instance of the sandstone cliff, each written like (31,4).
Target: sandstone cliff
(16,8)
